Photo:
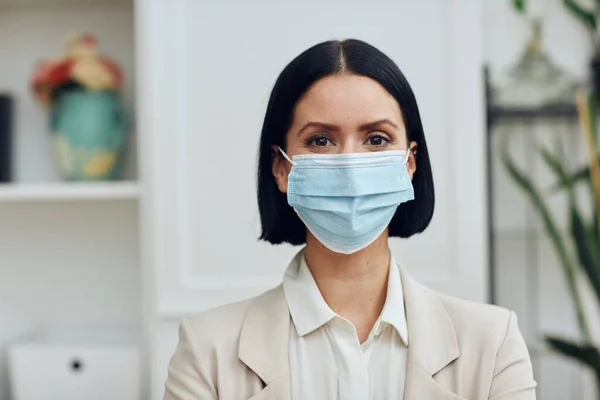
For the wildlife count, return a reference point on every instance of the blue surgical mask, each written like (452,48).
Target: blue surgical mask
(347,200)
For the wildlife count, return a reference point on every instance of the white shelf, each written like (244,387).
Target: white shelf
(68,191)
(83,336)
(24,4)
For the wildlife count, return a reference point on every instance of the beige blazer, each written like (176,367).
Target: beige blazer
(458,350)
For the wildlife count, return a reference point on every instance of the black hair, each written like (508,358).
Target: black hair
(280,224)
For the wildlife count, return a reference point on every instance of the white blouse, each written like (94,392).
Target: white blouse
(326,359)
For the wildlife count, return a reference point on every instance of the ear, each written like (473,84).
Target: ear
(411,164)
(281,169)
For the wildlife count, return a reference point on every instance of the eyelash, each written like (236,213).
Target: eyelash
(311,141)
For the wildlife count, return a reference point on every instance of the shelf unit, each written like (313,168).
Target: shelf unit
(66,245)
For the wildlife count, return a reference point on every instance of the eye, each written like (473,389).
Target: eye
(319,141)
(377,140)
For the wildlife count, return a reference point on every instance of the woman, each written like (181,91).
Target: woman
(343,166)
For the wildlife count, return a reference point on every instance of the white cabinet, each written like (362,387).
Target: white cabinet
(69,252)
(42,371)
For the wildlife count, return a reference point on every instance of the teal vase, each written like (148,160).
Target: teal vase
(89,130)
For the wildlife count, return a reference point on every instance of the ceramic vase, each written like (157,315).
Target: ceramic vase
(89,130)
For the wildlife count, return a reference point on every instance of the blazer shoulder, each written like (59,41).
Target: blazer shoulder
(221,326)
(476,322)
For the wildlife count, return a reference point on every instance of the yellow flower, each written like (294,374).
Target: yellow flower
(92,73)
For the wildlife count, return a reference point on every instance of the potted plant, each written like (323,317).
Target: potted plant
(87,118)
(577,249)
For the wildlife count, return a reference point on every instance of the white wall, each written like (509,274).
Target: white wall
(78,265)
(223,59)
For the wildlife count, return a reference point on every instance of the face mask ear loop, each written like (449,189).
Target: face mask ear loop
(285,155)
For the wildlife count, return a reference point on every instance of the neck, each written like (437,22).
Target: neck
(355,285)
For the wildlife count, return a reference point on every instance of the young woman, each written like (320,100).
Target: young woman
(343,166)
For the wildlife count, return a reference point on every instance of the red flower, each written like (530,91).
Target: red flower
(60,73)
(81,64)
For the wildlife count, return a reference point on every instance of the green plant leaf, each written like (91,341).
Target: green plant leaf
(556,165)
(594,233)
(519,5)
(587,17)
(539,205)
(586,250)
(583,353)
(580,175)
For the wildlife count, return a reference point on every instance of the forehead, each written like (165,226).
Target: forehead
(347,99)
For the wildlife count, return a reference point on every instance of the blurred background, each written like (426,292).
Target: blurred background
(128,142)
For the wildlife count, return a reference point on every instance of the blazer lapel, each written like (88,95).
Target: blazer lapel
(275,390)
(432,341)
(264,344)
(421,385)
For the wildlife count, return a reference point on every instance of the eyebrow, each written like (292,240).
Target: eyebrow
(364,127)
(371,125)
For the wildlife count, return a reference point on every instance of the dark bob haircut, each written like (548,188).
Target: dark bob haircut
(280,224)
